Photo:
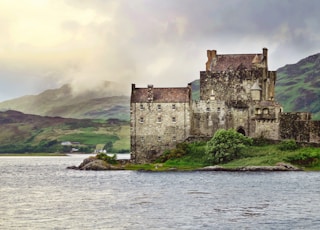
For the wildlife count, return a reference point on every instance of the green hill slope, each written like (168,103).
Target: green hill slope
(298,86)
(33,133)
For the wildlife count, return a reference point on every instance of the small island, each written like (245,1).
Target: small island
(228,150)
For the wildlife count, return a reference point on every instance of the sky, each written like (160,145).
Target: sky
(48,43)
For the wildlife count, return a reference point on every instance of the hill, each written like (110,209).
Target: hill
(298,86)
(63,102)
(33,133)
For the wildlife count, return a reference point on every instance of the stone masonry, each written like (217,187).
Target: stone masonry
(160,118)
(236,91)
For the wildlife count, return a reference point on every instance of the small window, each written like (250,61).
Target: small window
(218,109)
(174,119)
(174,138)
(141,120)
(159,120)
(159,107)
(173,106)
(159,138)
(208,109)
(141,107)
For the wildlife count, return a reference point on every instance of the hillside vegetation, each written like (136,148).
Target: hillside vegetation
(298,86)
(33,133)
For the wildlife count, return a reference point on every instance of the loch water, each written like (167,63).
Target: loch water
(40,193)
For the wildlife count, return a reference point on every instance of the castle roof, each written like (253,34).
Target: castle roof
(161,95)
(236,61)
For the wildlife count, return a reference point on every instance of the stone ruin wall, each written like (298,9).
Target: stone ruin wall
(315,132)
(300,127)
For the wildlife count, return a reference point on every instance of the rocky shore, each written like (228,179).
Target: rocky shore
(93,163)
(281,166)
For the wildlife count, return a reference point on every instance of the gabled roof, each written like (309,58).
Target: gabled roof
(161,95)
(236,61)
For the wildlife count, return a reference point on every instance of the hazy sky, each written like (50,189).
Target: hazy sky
(47,43)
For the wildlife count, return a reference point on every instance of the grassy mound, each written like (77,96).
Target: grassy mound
(192,156)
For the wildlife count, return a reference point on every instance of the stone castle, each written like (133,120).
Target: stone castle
(236,91)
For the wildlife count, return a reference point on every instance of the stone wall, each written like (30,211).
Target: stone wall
(300,127)
(315,131)
(227,85)
(157,127)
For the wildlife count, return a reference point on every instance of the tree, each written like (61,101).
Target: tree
(109,145)
(226,145)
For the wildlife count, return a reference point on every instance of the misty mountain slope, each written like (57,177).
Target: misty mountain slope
(94,104)
(95,108)
(298,86)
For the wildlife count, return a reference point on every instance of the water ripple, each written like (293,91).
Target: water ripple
(39,193)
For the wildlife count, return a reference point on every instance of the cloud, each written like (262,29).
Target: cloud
(53,42)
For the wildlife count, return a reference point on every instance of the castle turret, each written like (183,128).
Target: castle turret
(256,91)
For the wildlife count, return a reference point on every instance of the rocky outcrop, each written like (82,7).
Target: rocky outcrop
(281,166)
(92,163)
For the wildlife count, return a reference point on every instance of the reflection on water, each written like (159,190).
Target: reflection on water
(40,193)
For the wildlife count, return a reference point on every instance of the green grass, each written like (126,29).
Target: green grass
(89,129)
(268,155)
(147,167)
(89,138)
(124,141)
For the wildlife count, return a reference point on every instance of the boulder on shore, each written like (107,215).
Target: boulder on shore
(93,163)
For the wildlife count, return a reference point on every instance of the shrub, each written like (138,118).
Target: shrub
(226,145)
(305,158)
(179,151)
(108,159)
(288,145)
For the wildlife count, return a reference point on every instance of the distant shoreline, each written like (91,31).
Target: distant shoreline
(32,154)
